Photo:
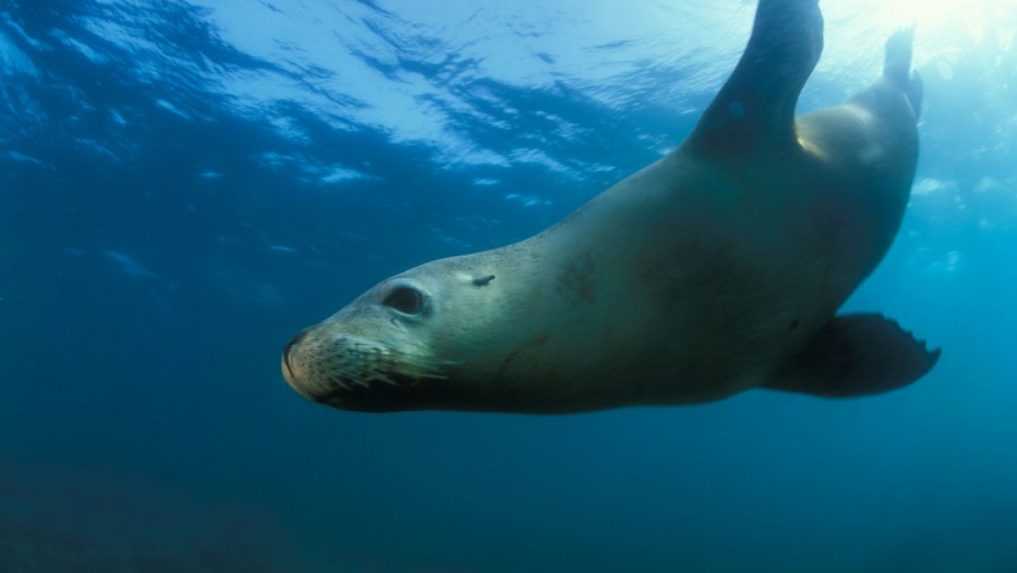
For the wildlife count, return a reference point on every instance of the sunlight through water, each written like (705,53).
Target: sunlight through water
(939,20)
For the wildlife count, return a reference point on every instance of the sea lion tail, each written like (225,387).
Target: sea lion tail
(897,68)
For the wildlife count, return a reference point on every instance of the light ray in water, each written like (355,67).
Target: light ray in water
(129,266)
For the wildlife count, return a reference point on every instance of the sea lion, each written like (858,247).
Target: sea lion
(717,269)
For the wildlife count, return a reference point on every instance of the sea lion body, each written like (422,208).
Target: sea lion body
(717,269)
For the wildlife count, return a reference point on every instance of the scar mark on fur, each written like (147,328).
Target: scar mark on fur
(576,278)
(483,281)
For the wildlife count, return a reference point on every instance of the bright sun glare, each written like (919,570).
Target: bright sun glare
(971,19)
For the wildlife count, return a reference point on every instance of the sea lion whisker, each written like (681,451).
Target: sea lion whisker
(383,378)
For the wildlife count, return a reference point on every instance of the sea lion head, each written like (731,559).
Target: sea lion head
(405,344)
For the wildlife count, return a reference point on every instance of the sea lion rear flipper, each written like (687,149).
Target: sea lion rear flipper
(854,355)
(755,108)
(897,68)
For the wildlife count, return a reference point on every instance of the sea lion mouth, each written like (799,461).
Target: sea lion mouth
(394,392)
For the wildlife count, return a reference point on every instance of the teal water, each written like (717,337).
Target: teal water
(185,184)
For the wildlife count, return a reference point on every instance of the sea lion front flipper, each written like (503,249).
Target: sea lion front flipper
(755,108)
(855,355)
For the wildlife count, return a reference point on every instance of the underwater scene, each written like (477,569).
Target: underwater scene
(483,286)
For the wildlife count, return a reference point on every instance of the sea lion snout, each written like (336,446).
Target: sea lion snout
(287,370)
(320,365)
(293,367)
(347,371)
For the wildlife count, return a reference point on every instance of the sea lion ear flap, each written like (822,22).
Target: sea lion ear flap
(856,355)
(756,106)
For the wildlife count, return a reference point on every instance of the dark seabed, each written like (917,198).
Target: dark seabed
(186,184)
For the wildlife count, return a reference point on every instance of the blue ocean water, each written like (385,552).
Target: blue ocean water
(186,184)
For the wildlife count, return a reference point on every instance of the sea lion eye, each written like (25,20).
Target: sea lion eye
(405,299)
